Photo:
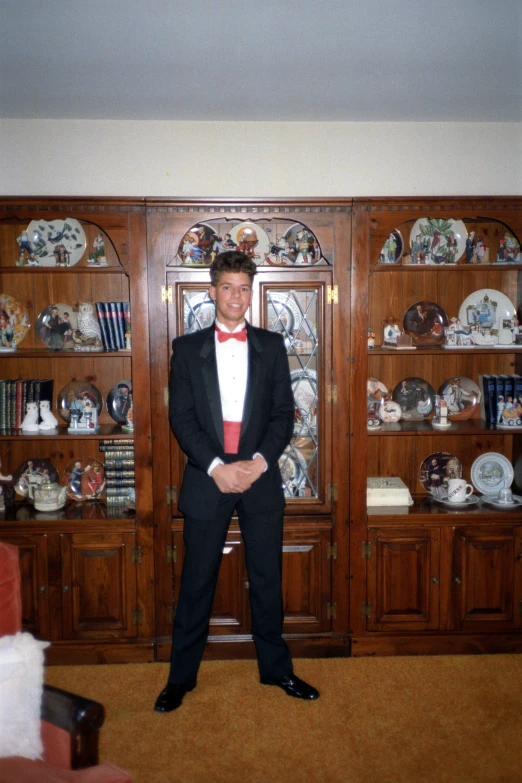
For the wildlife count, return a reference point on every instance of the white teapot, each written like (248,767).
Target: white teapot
(49,497)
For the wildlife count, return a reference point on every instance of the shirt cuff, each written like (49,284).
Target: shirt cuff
(257,454)
(215,462)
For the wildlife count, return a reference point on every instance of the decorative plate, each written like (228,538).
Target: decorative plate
(303,247)
(425,322)
(251,239)
(304,387)
(283,313)
(33,473)
(437,469)
(55,325)
(72,397)
(84,478)
(390,412)
(119,401)
(437,241)
(494,501)
(199,312)
(491,472)
(199,246)
(484,308)
(292,465)
(415,397)
(462,396)
(472,500)
(392,249)
(14,322)
(55,242)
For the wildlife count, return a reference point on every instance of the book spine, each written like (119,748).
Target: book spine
(30,391)
(2,404)
(102,320)
(119,464)
(127,319)
(112,318)
(24,398)
(126,454)
(111,475)
(114,483)
(116,500)
(37,387)
(120,322)
(517,388)
(109,443)
(12,404)
(18,405)
(117,489)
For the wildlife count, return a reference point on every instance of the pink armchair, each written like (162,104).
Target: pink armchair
(69,724)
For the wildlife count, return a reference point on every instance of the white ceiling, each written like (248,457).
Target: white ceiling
(347,60)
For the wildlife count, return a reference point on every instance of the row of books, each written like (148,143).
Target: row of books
(119,471)
(14,396)
(115,324)
(501,402)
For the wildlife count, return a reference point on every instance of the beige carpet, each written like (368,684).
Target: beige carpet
(436,719)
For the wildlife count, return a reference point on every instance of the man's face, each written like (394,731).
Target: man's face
(232,295)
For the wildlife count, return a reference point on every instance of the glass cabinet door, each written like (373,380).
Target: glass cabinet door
(297,309)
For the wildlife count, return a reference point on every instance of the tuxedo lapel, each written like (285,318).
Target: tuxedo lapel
(254,373)
(210,377)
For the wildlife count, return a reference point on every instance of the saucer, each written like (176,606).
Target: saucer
(494,501)
(472,500)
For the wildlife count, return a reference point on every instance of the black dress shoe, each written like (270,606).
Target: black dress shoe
(171,697)
(292,686)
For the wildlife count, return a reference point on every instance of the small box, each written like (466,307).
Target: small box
(388,491)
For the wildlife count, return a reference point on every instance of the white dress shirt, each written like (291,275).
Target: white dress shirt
(232,368)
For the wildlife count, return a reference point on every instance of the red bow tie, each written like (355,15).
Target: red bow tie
(224,336)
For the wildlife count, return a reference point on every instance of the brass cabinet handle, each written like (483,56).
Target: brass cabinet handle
(435,580)
(457,580)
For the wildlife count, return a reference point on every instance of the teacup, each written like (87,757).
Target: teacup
(505,496)
(459,490)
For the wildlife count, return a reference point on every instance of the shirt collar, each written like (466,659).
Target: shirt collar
(224,328)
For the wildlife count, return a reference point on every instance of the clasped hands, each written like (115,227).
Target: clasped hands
(238,476)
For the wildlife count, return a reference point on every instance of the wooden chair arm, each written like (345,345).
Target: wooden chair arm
(81,718)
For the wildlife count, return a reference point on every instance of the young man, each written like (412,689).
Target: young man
(231,410)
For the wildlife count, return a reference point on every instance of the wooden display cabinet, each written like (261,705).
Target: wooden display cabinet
(431,579)
(86,569)
(299,300)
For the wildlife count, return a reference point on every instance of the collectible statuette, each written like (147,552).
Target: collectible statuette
(49,420)
(87,337)
(30,421)
(440,420)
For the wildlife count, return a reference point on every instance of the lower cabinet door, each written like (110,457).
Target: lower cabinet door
(307,581)
(486,587)
(403,579)
(34,581)
(99,586)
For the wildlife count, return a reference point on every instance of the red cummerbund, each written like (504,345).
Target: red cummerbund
(231,431)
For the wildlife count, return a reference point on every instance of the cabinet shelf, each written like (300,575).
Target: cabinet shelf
(424,509)
(47,354)
(469,427)
(380,350)
(85,270)
(397,268)
(105,431)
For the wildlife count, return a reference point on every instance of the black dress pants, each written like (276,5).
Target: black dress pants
(204,541)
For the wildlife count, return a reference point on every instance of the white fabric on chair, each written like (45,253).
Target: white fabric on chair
(21,686)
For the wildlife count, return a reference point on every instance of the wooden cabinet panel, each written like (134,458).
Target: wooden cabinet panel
(486,579)
(307,590)
(34,582)
(98,586)
(403,579)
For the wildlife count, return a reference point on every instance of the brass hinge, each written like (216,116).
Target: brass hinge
(137,616)
(520,608)
(331,551)
(331,394)
(170,614)
(331,611)
(172,554)
(136,554)
(166,396)
(171,495)
(333,294)
(166,294)
(366,549)
(366,609)
(332,491)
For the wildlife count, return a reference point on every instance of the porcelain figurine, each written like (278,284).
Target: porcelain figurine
(30,422)
(49,420)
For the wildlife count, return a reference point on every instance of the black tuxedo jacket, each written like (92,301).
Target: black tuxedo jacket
(197,421)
